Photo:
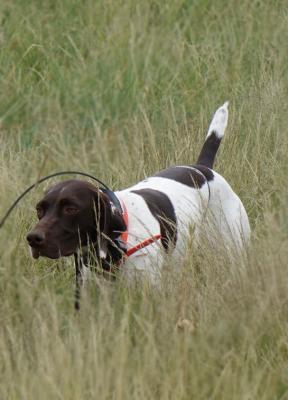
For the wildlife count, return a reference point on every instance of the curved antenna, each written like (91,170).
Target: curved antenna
(45,178)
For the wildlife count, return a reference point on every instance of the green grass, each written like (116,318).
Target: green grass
(121,89)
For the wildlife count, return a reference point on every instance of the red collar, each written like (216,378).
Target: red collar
(124,235)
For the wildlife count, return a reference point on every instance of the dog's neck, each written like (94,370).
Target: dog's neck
(107,246)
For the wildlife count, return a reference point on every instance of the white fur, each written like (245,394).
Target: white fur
(219,121)
(189,205)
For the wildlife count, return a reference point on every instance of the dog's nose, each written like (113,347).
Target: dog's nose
(35,239)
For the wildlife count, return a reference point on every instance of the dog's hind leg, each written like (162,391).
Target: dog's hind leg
(213,139)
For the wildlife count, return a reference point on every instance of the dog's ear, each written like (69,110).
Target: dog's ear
(109,221)
(114,221)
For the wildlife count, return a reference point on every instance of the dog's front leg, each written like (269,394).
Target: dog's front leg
(79,279)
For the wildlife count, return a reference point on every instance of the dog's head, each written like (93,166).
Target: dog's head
(72,214)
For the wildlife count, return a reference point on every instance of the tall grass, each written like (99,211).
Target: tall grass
(122,89)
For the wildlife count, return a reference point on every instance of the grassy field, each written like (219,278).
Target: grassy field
(121,89)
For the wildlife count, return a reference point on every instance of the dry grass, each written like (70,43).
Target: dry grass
(121,89)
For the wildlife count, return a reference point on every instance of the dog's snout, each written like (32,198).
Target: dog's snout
(35,239)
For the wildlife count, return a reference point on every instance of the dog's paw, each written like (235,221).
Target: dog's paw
(219,121)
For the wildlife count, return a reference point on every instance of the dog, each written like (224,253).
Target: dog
(133,229)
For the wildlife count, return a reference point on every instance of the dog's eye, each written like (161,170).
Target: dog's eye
(70,210)
(40,212)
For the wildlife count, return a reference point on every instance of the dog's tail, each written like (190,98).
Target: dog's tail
(213,139)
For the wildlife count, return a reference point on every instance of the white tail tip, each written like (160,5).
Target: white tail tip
(219,121)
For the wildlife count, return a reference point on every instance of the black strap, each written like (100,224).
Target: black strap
(199,169)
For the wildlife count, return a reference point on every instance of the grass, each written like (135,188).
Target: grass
(121,89)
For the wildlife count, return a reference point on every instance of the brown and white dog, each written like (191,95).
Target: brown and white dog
(135,227)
